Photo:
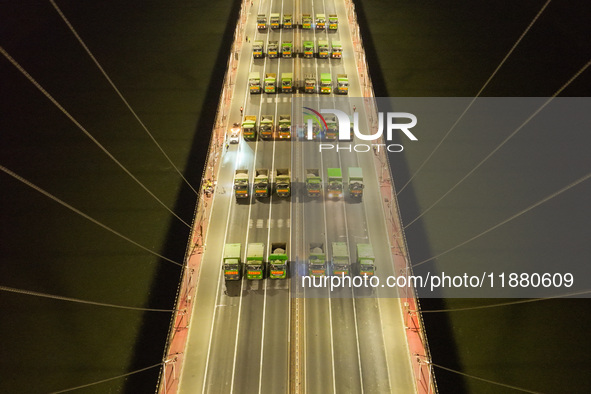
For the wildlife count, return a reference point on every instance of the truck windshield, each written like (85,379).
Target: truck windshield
(367,268)
(231,267)
(334,186)
(356,186)
(254,267)
(279,266)
(309,83)
(313,186)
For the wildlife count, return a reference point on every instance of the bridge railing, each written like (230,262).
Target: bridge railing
(177,337)
(415,329)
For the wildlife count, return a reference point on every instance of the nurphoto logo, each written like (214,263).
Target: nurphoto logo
(339,127)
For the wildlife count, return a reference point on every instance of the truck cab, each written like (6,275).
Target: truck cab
(287,82)
(270,79)
(341,264)
(254,82)
(337,50)
(310,83)
(255,264)
(320,21)
(317,259)
(278,261)
(335,182)
(261,182)
(249,125)
(287,21)
(308,48)
(325,83)
(342,84)
(306,21)
(323,49)
(356,182)
(284,126)
(282,182)
(313,182)
(266,126)
(286,49)
(232,264)
(331,128)
(241,184)
(274,20)
(273,49)
(257,49)
(261,22)
(333,22)
(366,259)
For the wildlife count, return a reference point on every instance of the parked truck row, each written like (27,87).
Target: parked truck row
(308,49)
(334,185)
(267,128)
(255,266)
(262,183)
(307,22)
(341,262)
(287,84)
(276,266)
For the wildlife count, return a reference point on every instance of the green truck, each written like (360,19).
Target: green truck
(366,259)
(325,83)
(313,182)
(308,47)
(306,21)
(255,264)
(273,49)
(355,182)
(241,184)
(286,82)
(320,21)
(270,79)
(254,82)
(310,83)
(257,49)
(335,182)
(282,182)
(274,20)
(249,125)
(333,22)
(284,126)
(317,259)
(287,49)
(331,128)
(278,260)
(261,21)
(337,49)
(232,265)
(287,21)
(342,84)
(261,183)
(266,126)
(323,49)
(341,264)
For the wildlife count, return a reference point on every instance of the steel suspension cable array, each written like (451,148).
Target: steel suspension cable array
(502,143)
(547,198)
(93,220)
(477,95)
(88,134)
(484,380)
(81,301)
(527,301)
(109,379)
(135,115)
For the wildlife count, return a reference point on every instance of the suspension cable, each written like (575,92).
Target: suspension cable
(542,201)
(106,380)
(502,143)
(81,301)
(59,11)
(65,204)
(471,308)
(477,94)
(58,105)
(485,380)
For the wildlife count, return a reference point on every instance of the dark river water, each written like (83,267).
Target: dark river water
(168,59)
